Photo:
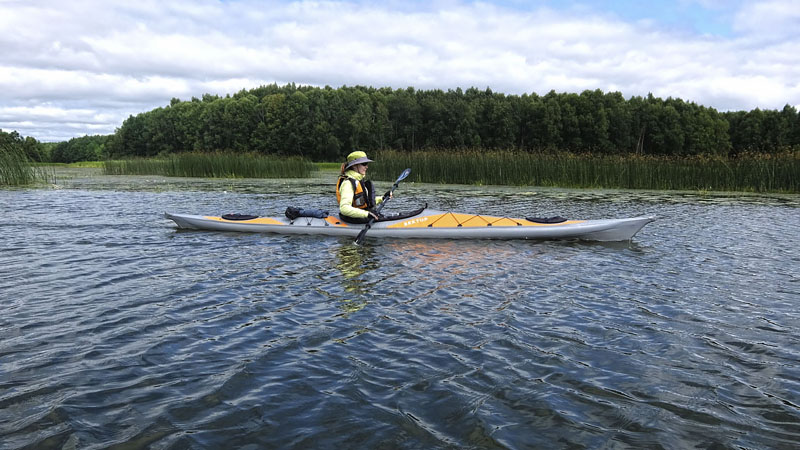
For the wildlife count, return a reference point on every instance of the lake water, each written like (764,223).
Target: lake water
(117,330)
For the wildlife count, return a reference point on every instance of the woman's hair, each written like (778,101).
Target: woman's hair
(341,172)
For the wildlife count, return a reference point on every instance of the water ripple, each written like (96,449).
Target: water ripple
(119,331)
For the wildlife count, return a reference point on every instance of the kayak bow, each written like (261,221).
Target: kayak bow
(428,224)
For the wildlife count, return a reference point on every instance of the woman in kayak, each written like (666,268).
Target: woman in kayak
(356,196)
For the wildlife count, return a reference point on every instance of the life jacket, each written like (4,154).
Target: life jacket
(363,194)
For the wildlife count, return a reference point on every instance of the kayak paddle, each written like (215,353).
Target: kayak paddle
(363,233)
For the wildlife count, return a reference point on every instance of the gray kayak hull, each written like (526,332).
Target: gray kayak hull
(430,224)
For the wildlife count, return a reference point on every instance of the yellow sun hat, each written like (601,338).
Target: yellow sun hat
(356,158)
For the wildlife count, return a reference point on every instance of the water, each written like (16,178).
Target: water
(117,330)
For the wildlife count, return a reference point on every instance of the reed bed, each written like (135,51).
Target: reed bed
(328,165)
(17,170)
(214,165)
(751,173)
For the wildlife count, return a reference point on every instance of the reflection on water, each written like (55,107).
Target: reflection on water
(118,331)
(447,264)
(354,261)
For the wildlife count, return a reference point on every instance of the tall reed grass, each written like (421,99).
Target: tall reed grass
(753,173)
(214,165)
(17,170)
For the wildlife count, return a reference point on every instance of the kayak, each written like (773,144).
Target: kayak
(428,223)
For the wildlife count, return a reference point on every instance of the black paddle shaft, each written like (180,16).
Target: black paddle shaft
(363,233)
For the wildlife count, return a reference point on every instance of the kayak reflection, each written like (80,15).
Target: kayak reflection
(450,271)
(354,262)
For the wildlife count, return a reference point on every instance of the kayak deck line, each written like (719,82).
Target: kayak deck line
(451,219)
(260,220)
(428,224)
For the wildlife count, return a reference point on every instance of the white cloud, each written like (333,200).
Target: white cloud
(772,19)
(99,62)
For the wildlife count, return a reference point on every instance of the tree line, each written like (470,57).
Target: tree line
(324,124)
(86,148)
(28,146)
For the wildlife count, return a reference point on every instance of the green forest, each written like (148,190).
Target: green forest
(86,148)
(32,149)
(324,124)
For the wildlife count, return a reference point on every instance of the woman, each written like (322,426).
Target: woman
(356,196)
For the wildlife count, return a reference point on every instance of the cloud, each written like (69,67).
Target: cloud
(771,19)
(99,62)
(49,123)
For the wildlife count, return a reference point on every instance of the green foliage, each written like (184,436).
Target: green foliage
(16,155)
(86,148)
(764,131)
(33,150)
(214,165)
(324,124)
(750,172)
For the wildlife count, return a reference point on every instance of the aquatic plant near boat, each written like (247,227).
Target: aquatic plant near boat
(214,165)
(747,172)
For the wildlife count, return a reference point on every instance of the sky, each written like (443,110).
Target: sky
(81,67)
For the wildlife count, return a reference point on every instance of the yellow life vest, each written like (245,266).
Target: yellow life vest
(362,198)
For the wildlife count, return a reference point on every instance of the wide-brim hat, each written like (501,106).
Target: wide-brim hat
(356,158)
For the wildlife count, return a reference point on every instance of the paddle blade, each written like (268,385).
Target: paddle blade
(404,175)
(362,234)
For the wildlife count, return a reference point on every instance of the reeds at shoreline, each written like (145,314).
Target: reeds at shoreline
(747,173)
(214,165)
(750,173)
(17,170)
